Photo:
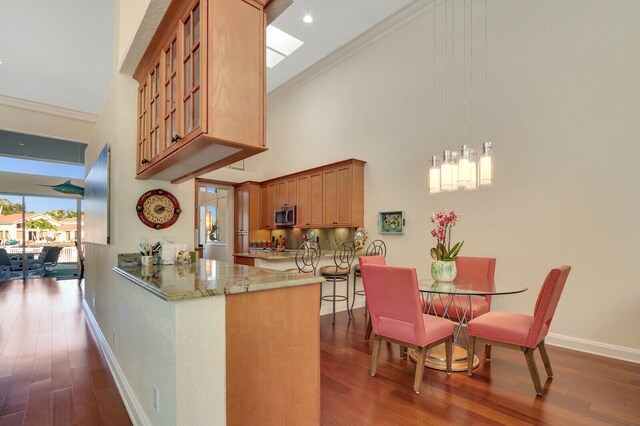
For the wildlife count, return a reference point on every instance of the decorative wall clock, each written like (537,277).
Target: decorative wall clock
(158,209)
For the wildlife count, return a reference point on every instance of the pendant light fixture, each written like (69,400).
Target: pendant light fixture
(467,168)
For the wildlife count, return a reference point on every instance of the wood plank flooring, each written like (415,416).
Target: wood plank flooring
(51,369)
(52,372)
(586,389)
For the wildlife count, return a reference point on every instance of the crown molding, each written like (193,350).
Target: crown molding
(396,21)
(47,109)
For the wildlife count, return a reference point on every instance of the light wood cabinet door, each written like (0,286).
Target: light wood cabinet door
(241,208)
(269,200)
(143,129)
(193,37)
(303,208)
(155,113)
(172,106)
(292,191)
(330,197)
(282,193)
(264,204)
(315,199)
(344,181)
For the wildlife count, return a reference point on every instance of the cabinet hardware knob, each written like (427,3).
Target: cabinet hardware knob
(144,161)
(176,138)
(335,223)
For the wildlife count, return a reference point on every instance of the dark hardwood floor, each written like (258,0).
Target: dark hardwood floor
(52,372)
(586,389)
(51,369)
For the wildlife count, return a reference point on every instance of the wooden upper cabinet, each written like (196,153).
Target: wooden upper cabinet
(171,108)
(143,156)
(286,193)
(343,195)
(269,195)
(202,89)
(315,199)
(194,71)
(328,196)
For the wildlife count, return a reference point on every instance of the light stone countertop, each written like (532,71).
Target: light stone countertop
(207,278)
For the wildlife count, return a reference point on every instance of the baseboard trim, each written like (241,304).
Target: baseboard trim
(136,413)
(595,348)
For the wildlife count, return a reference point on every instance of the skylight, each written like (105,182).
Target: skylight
(279,45)
(273,58)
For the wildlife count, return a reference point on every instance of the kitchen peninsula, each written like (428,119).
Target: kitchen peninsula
(267,314)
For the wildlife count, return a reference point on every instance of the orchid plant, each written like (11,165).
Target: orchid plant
(442,232)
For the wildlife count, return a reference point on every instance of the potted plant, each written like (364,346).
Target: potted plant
(443,268)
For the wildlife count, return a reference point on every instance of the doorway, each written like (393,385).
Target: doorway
(213,226)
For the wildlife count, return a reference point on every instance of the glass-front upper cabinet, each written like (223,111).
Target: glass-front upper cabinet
(154,106)
(170,83)
(143,120)
(194,71)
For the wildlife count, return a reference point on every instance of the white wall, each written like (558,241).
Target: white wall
(113,310)
(560,104)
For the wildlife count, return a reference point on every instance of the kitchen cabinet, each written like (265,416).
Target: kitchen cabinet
(327,196)
(201,89)
(246,214)
(309,207)
(269,200)
(338,196)
(286,193)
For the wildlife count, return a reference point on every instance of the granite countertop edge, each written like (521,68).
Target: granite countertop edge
(236,288)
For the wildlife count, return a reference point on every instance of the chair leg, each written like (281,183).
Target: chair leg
(403,352)
(471,344)
(419,370)
(347,293)
(487,351)
(333,321)
(448,345)
(545,359)
(320,295)
(533,370)
(353,301)
(374,355)
(367,334)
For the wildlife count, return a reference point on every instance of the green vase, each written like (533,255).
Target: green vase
(444,270)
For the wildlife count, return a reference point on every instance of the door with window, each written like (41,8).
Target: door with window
(213,224)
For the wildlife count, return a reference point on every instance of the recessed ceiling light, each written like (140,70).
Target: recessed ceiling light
(0,62)
(282,42)
(307,19)
(273,58)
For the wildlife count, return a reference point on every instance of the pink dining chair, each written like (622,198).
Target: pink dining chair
(481,272)
(370,260)
(522,332)
(396,313)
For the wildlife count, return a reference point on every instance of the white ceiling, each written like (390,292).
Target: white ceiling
(60,52)
(335,22)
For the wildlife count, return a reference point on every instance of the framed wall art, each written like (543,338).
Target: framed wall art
(391,222)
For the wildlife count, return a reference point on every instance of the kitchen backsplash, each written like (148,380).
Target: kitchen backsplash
(329,238)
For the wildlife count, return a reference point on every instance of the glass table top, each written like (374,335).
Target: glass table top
(467,287)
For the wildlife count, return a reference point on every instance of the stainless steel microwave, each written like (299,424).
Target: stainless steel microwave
(284,216)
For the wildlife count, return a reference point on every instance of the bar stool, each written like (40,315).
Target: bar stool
(375,248)
(307,258)
(339,272)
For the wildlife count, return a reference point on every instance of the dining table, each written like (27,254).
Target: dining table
(453,296)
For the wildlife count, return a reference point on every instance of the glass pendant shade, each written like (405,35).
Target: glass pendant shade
(446,172)
(434,176)
(454,169)
(473,169)
(464,168)
(486,165)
